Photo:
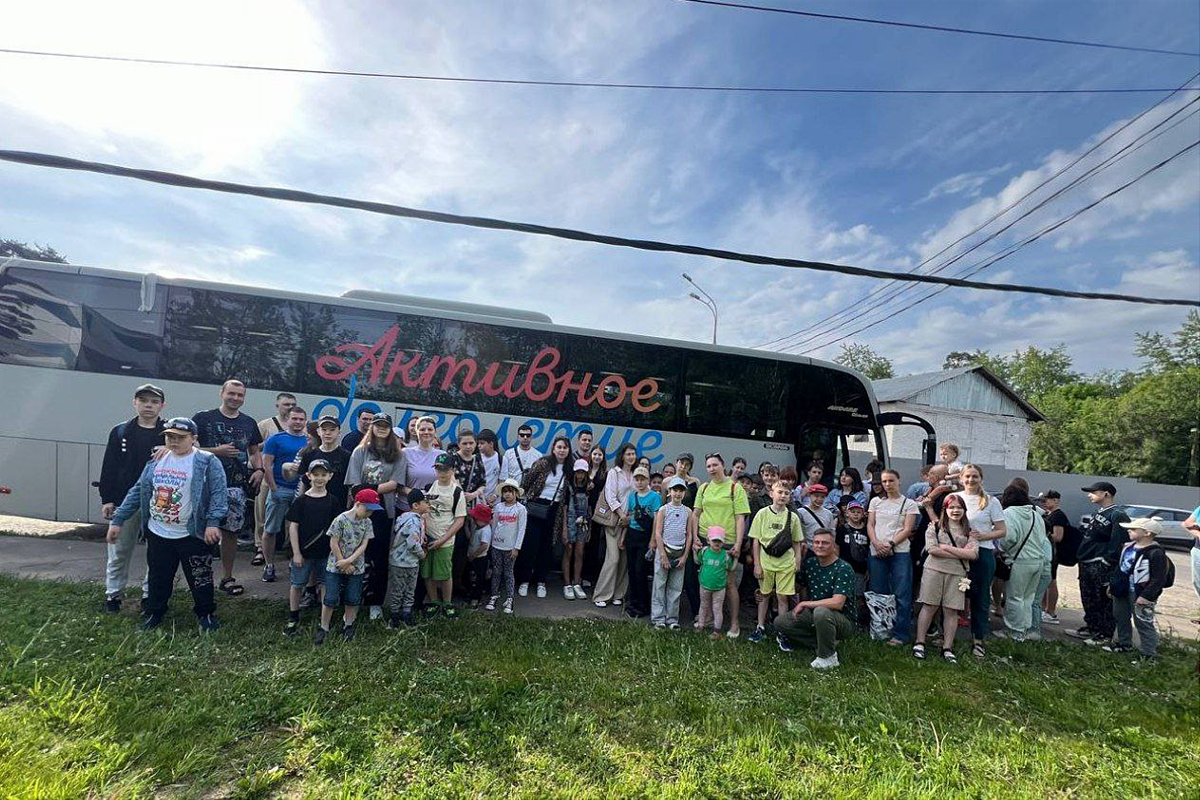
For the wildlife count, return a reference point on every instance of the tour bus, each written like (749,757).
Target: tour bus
(76,341)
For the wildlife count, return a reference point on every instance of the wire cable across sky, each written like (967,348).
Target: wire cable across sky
(940,28)
(668,87)
(296,196)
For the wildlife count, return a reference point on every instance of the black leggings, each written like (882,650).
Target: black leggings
(533,564)
(375,588)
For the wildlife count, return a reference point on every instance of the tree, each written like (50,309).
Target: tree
(10,248)
(862,358)
(1180,350)
(1030,372)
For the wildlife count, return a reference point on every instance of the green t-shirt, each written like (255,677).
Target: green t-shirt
(443,511)
(714,568)
(765,527)
(824,582)
(720,506)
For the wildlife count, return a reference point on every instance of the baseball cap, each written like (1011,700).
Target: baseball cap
(382,418)
(481,513)
(182,424)
(642,471)
(369,498)
(150,388)
(415,496)
(854,504)
(716,532)
(1151,525)
(330,419)
(1100,486)
(685,456)
(1051,495)
(581,465)
(319,463)
(676,481)
(444,461)
(818,488)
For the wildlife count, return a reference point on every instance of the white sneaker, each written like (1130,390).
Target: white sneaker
(1050,619)
(541,590)
(508,606)
(491,603)
(580,594)
(376,612)
(569,592)
(825,663)
(601,604)
(617,601)
(523,590)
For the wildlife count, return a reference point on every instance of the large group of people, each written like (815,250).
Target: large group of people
(392,520)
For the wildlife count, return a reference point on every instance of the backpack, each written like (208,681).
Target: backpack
(783,540)
(1169,581)
(1067,551)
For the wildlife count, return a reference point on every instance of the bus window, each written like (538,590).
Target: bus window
(64,320)
(745,398)
(212,336)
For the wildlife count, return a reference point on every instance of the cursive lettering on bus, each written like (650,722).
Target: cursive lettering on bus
(386,359)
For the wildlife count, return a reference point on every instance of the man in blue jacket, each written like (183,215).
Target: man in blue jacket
(182,500)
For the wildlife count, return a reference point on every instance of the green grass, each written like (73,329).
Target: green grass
(490,706)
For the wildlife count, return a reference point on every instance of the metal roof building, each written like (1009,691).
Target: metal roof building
(970,406)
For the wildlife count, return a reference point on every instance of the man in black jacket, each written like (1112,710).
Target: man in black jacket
(130,446)
(1099,550)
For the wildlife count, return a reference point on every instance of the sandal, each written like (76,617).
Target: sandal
(259,559)
(978,650)
(919,651)
(948,654)
(231,587)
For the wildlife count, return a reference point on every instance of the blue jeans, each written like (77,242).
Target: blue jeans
(336,582)
(983,570)
(894,575)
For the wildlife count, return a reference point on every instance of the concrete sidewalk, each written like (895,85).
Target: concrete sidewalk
(81,560)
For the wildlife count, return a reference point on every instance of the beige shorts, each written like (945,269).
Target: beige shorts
(941,589)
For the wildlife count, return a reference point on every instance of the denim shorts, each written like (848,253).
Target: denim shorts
(278,503)
(312,567)
(336,582)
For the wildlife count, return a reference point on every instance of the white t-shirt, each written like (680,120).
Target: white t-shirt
(171,503)
(551,490)
(491,474)
(889,519)
(517,462)
(824,519)
(982,519)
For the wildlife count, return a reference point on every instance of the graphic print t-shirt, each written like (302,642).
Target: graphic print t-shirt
(171,503)
(215,429)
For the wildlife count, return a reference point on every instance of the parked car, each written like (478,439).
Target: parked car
(1175,536)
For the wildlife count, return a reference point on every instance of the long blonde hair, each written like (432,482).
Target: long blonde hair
(984,499)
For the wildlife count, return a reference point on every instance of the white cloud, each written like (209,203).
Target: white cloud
(969,184)
(209,119)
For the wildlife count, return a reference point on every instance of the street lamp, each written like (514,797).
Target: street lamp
(709,303)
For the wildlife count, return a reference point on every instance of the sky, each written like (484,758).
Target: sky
(868,180)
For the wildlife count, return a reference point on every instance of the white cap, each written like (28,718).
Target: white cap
(1151,525)
(581,465)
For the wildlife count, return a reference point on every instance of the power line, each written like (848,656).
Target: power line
(1040,234)
(941,28)
(293,195)
(875,292)
(990,260)
(817,90)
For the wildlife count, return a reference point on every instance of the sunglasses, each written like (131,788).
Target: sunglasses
(712,455)
(524,435)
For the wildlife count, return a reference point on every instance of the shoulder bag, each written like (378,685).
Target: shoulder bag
(1004,561)
(783,540)
(604,515)
(540,509)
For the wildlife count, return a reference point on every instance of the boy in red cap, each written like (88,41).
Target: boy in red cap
(348,536)
(477,550)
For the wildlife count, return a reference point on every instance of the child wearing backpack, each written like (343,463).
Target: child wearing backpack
(777,539)
(640,508)
(1143,571)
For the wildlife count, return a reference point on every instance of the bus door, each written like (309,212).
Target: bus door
(928,443)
